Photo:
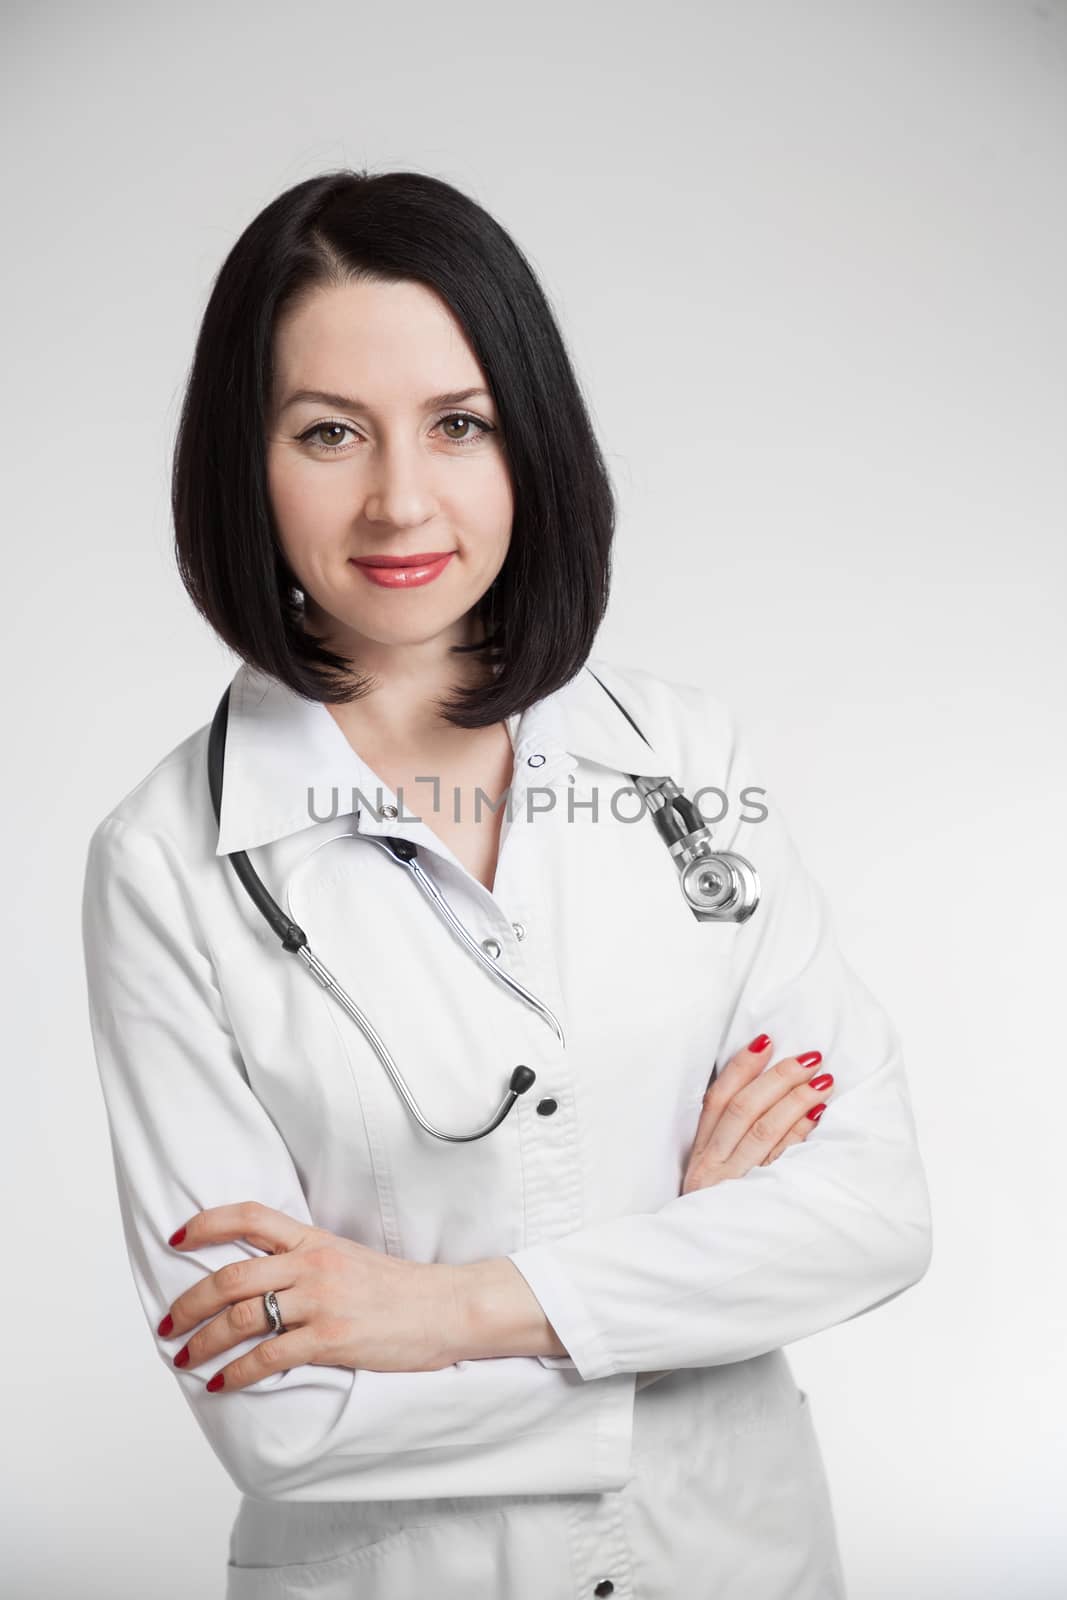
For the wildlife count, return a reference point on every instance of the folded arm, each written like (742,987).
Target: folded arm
(188,1133)
(830,1229)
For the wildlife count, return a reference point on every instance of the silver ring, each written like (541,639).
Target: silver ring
(274,1316)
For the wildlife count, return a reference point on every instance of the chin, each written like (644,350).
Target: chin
(413,632)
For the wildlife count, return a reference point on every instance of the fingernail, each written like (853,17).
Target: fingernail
(165,1326)
(810,1058)
(760,1042)
(815,1113)
(823,1081)
(182,1358)
(216,1383)
(176,1238)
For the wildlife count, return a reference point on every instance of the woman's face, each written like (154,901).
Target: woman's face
(363,460)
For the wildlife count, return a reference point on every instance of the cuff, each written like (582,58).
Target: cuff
(587,1348)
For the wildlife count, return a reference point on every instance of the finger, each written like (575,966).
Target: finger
(796,1135)
(742,1067)
(775,1123)
(261,1225)
(248,1319)
(757,1099)
(271,1356)
(245,1280)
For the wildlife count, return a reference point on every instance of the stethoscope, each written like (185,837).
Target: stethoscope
(718,886)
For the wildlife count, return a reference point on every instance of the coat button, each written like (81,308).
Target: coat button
(491,948)
(390,811)
(520,929)
(545,1108)
(605,1586)
(535,761)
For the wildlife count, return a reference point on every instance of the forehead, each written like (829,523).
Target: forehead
(379,340)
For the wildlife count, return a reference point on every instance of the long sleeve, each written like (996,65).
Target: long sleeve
(188,1133)
(832,1228)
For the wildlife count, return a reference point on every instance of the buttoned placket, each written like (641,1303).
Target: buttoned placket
(511,923)
(550,1145)
(548,1132)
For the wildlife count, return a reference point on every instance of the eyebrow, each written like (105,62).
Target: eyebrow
(346,403)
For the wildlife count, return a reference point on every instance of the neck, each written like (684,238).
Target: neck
(407,680)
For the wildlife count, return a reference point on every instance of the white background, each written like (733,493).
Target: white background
(810,262)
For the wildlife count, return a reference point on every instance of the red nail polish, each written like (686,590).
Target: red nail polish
(810,1058)
(760,1042)
(816,1112)
(182,1358)
(216,1383)
(823,1081)
(165,1326)
(176,1238)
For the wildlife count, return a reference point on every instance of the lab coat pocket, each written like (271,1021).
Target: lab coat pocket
(729,1485)
(778,1492)
(518,1550)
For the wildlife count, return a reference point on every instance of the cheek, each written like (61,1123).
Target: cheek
(298,493)
(489,513)
(500,491)
(307,506)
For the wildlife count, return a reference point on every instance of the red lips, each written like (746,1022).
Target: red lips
(423,560)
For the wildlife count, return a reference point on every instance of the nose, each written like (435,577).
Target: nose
(398,484)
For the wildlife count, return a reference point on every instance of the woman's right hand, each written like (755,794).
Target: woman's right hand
(751,1115)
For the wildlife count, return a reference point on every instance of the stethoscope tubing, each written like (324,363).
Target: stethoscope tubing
(294,939)
(522,1074)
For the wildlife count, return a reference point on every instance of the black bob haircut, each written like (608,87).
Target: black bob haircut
(542,612)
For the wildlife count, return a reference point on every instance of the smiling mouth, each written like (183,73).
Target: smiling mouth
(424,559)
(403,572)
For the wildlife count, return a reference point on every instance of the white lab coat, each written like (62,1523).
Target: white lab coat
(670,1453)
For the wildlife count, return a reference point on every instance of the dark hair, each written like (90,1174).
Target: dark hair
(543,610)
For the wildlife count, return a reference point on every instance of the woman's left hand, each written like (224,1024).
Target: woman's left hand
(342,1304)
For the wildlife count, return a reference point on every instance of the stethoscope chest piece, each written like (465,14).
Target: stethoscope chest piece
(718,885)
(721,886)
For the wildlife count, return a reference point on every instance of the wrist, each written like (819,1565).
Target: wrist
(498,1313)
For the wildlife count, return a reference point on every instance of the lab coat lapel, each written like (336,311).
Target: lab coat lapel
(288,766)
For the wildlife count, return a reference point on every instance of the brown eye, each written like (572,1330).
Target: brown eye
(316,435)
(469,438)
(313,434)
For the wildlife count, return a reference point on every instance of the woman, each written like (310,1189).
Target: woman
(545,1361)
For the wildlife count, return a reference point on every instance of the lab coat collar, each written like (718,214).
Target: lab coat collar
(288,765)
